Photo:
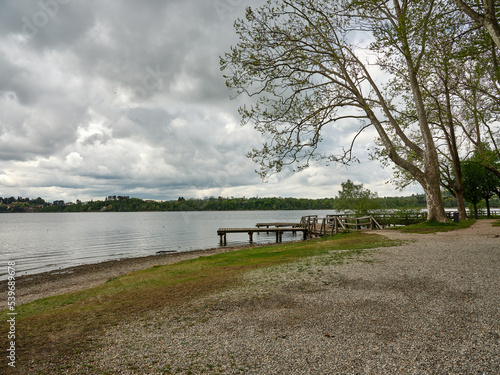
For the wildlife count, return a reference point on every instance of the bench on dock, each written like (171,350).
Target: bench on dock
(222,232)
(278,225)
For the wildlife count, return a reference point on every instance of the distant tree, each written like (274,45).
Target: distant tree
(39,201)
(356,198)
(479,184)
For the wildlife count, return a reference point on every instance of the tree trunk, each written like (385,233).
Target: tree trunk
(459,191)
(475,211)
(488,206)
(432,174)
(453,149)
(435,207)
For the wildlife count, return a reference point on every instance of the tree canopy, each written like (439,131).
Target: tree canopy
(352,65)
(354,197)
(479,183)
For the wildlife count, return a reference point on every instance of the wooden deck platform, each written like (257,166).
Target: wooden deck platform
(222,232)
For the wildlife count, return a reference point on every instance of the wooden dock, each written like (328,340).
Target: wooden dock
(222,232)
(312,226)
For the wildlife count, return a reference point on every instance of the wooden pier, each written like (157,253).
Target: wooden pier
(222,232)
(312,226)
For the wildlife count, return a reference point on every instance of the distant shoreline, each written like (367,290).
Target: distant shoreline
(128,204)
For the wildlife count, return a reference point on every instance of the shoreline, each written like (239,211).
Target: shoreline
(427,305)
(71,279)
(75,278)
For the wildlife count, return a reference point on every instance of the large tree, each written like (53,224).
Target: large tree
(460,82)
(484,13)
(477,109)
(309,64)
(441,67)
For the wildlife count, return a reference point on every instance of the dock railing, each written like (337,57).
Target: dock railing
(333,224)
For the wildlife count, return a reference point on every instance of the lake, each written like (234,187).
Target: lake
(42,242)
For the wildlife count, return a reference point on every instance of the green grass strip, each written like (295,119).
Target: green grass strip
(434,227)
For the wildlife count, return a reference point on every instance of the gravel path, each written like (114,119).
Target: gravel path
(430,306)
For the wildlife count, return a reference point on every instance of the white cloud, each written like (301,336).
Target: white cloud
(74,160)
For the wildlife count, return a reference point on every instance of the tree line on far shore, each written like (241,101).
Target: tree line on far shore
(352,196)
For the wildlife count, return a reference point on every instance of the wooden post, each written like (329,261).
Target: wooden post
(223,239)
(250,235)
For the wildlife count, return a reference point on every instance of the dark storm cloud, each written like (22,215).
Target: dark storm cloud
(126,97)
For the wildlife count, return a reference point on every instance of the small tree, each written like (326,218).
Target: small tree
(479,184)
(355,198)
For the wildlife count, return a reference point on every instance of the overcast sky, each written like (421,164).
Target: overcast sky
(126,97)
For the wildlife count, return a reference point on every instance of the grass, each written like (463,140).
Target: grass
(496,223)
(434,227)
(62,326)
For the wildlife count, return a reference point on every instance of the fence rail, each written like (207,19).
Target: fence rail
(333,224)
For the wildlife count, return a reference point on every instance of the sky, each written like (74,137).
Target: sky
(126,97)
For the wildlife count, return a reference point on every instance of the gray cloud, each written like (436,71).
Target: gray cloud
(126,97)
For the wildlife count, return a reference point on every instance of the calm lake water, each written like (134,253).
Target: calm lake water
(49,241)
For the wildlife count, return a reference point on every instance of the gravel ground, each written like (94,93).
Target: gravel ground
(430,306)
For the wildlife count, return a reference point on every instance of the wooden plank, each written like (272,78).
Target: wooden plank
(277,225)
